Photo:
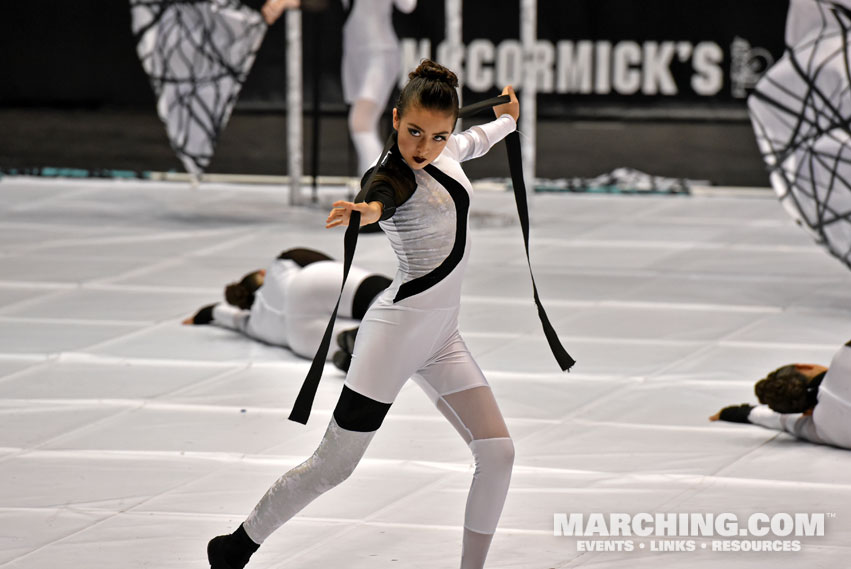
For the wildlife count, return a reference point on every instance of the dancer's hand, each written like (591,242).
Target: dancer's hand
(203,316)
(512,107)
(369,213)
(733,414)
(273,9)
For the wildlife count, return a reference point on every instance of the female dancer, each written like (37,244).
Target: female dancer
(421,196)
(289,303)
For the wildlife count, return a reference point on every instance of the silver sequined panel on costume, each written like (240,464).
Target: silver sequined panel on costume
(800,112)
(197,55)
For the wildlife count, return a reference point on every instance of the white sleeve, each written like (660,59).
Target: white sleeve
(228,316)
(406,6)
(477,140)
(798,424)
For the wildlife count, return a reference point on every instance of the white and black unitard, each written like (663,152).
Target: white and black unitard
(830,421)
(411,331)
(292,307)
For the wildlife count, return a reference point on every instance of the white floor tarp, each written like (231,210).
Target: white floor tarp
(128,440)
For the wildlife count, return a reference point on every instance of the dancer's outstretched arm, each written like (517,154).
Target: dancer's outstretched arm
(221,314)
(799,424)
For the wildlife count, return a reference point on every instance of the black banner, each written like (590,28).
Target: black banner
(612,51)
(621,53)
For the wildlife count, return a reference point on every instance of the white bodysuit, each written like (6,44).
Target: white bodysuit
(292,307)
(412,328)
(830,422)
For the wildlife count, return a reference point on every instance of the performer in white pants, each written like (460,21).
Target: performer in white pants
(421,196)
(371,65)
(289,303)
(809,401)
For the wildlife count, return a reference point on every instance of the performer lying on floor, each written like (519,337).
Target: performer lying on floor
(289,303)
(810,401)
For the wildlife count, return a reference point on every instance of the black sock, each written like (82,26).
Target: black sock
(238,548)
(367,290)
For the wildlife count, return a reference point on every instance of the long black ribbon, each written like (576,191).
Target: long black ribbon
(303,403)
(515,164)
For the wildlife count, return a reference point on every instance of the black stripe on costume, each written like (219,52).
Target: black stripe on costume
(462,206)
(356,412)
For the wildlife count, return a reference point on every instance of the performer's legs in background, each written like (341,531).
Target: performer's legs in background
(363,126)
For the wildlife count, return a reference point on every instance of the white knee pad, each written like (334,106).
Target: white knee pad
(494,460)
(335,459)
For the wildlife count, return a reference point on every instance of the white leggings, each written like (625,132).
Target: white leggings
(475,415)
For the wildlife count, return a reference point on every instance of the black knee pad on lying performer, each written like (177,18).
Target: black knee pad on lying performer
(356,412)
(303,257)
(367,290)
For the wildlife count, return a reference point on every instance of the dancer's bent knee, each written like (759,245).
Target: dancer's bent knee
(494,462)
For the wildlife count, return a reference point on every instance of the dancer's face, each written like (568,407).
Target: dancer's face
(422,134)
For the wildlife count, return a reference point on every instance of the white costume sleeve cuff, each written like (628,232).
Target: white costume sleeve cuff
(228,316)
(763,415)
(798,424)
(477,140)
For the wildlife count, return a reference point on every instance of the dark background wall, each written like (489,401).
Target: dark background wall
(69,69)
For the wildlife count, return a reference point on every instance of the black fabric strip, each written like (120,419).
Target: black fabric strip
(367,290)
(304,402)
(515,164)
(476,108)
(462,206)
(356,412)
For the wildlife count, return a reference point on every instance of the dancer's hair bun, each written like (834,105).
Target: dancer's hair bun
(430,70)
(237,294)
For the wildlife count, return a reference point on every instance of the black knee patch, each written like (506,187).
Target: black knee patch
(367,291)
(303,257)
(356,412)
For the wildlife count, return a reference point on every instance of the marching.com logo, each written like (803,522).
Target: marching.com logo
(676,528)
